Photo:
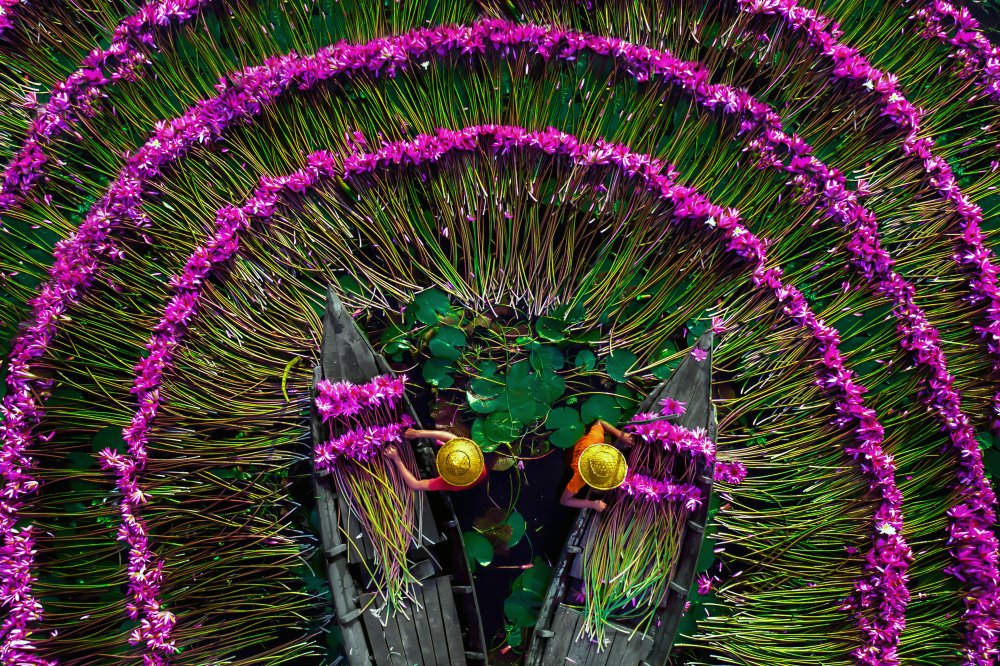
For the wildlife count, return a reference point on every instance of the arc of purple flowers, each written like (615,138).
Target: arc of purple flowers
(76,96)
(884,585)
(977,56)
(971,530)
(256,86)
(8,8)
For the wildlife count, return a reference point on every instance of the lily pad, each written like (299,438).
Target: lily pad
(521,608)
(479,436)
(551,329)
(567,436)
(481,404)
(431,305)
(535,579)
(437,371)
(487,384)
(546,357)
(585,360)
(517,526)
(478,549)
(394,339)
(571,314)
(521,404)
(601,406)
(500,427)
(626,398)
(619,362)
(446,343)
(519,376)
(562,417)
(550,387)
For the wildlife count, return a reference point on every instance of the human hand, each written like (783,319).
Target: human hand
(627,439)
(410,433)
(598,505)
(391,453)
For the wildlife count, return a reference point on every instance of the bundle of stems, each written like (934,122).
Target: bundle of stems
(628,562)
(385,508)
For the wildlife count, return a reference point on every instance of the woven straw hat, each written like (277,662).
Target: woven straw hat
(460,462)
(602,466)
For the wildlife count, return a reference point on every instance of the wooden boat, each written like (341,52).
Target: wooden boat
(444,627)
(554,641)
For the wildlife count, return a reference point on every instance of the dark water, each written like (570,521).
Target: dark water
(548,523)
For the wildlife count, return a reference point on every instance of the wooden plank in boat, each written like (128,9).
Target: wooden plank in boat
(432,605)
(581,646)
(408,635)
(636,650)
(449,616)
(394,639)
(421,621)
(375,631)
(563,629)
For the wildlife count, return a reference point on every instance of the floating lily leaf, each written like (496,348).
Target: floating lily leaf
(431,305)
(488,384)
(480,437)
(585,360)
(394,339)
(567,436)
(601,406)
(551,329)
(521,608)
(478,549)
(562,417)
(626,398)
(550,386)
(500,427)
(522,404)
(571,314)
(546,357)
(437,372)
(480,404)
(664,370)
(619,362)
(519,376)
(517,526)
(535,579)
(446,343)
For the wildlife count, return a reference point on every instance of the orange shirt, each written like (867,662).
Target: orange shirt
(594,436)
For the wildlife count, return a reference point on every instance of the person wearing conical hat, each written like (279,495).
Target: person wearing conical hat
(597,465)
(460,462)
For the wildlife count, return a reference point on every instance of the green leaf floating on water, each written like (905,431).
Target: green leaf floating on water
(546,357)
(619,362)
(551,329)
(437,372)
(487,384)
(585,360)
(517,526)
(478,549)
(446,343)
(535,579)
(663,370)
(566,437)
(481,404)
(601,406)
(521,608)
(431,305)
(479,436)
(562,417)
(500,427)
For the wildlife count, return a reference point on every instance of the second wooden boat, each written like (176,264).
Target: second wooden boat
(557,639)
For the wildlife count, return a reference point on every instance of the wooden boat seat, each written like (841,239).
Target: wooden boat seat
(427,633)
(619,647)
(360,549)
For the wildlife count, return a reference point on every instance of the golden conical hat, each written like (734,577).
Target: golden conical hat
(460,462)
(602,466)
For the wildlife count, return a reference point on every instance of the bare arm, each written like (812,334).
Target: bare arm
(412,482)
(567,499)
(439,435)
(616,433)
